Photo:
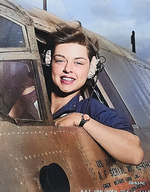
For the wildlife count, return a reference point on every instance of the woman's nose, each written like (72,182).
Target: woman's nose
(68,68)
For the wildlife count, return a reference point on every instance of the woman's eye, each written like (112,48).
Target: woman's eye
(78,63)
(59,61)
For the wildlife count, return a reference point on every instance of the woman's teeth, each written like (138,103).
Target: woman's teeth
(67,79)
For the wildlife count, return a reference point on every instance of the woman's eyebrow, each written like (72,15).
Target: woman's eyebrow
(80,58)
(58,55)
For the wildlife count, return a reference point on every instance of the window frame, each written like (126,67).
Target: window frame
(23,27)
(45,116)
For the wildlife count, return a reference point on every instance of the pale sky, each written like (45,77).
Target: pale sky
(113,19)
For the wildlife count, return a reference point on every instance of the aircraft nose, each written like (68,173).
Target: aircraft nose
(54,179)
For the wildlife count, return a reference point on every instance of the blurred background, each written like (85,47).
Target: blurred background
(113,19)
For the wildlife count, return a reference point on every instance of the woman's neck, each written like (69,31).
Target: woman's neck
(58,102)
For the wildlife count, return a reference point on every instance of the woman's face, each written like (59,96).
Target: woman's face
(70,67)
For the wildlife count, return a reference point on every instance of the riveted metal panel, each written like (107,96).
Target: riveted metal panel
(25,150)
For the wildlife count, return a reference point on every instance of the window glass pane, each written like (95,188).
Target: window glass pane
(114,96)
(18,96)
(11,34)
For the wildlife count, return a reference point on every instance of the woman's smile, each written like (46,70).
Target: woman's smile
(67,80)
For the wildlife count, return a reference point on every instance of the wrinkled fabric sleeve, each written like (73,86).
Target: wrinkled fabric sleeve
(105,115)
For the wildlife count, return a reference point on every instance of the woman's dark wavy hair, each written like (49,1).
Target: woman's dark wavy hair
(68,34)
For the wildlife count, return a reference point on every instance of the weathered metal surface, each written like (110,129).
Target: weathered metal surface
(25,150)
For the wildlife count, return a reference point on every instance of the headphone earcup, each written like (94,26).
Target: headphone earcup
(48,58)
(93,67)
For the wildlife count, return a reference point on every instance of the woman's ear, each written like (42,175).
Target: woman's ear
(48,58)
(93,67)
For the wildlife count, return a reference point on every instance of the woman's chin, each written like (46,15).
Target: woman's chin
(64,93)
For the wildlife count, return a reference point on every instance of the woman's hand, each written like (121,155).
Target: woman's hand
(69,120)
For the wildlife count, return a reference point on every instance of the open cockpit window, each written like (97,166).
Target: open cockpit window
(11,34)
(18,97)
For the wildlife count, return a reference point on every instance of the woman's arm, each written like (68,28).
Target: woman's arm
(121,145)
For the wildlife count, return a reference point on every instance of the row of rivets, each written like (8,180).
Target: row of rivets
(32,132)
(38,155)
(23,133)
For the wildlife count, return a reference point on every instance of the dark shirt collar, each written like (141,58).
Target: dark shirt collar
(70,107)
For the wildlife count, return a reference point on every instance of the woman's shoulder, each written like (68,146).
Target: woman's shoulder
(92,105)
(104,114)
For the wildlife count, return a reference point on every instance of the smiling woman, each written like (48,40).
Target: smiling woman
(70,55)
(69,63)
